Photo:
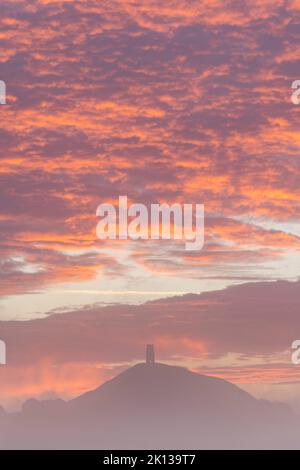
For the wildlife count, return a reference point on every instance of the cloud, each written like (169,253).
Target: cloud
(181,102)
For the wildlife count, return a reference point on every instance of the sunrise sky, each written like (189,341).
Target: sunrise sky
(179,101)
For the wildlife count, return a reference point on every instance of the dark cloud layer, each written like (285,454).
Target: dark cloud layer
(70,352)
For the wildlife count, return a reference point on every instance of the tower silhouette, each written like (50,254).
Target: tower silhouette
(150,355)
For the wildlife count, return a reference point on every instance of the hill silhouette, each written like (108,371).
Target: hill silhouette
(153,407)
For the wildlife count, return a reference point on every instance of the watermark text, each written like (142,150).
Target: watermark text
(161,222)
(2,353)
(296,93)
(2,92)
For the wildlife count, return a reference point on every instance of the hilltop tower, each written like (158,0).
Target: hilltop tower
(150,355)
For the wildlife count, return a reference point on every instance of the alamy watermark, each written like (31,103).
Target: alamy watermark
(161,222)
(296,93)
(2,92)
(296,353)
(2,353)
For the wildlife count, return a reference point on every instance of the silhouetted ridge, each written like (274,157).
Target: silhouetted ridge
(154,406)
(162,385)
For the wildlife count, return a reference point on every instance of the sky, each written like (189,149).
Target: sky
(183,102)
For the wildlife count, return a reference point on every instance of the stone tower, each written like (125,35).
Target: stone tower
(150,355)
